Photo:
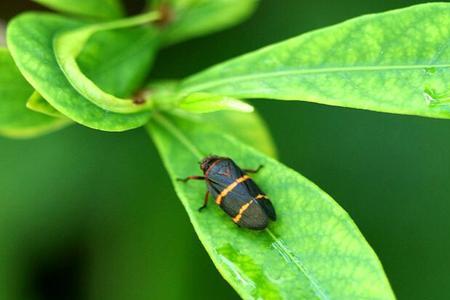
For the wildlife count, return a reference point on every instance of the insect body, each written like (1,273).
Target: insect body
(235,192)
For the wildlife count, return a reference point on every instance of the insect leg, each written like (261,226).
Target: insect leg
(253,170)
(191,177)
(205,202)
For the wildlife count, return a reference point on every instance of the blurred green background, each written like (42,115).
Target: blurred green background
(92,215)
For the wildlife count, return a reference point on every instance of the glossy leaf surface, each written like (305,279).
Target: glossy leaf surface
(205,103)
(69,44)
(16,120)
(313,251)
(105,9)
(30,37)
(192,18)
(397,62)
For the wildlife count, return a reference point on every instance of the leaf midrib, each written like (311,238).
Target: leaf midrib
(314,285)
(181,137)
(249,77)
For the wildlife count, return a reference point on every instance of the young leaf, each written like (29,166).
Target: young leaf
(104,9)
(192,18)
(15,119)
(69,44)
(205,103)
(313,251)
(30,39)
(252,128)
(384,62)
(39,104)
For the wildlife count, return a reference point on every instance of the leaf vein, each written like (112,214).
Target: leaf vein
(249,77)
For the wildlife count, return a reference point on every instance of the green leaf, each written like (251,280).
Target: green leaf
(69,44)
(104,9)
(132,51)
(192,18)
(205,103)
(164,96)
(252,128)
(386,62)
(119,61)
(15,119)
(313,251)
(39,104)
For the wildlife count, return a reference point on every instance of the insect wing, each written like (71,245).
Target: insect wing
(248,214)
(212,190)
(267,206)
(261,198)
(242,207)
(224,172)
(252,216)
(237,195)
(232,203)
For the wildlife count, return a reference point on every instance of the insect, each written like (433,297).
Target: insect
(235,192)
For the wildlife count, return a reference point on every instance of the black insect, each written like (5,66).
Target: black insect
(235,192)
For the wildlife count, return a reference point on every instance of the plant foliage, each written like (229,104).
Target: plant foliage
(90,69)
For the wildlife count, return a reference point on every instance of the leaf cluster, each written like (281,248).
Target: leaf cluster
(90,63)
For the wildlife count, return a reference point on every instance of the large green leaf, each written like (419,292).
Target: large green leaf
(105,9)
(192,18)
(119,61)
(397,62)
(112,56)
(205,103)
(252,132)
(15,119)
(313,251)
(68,45)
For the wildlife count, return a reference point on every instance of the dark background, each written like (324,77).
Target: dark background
(92,215)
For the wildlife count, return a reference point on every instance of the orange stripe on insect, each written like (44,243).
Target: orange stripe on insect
(260,196)
(241,211)
(230,188)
